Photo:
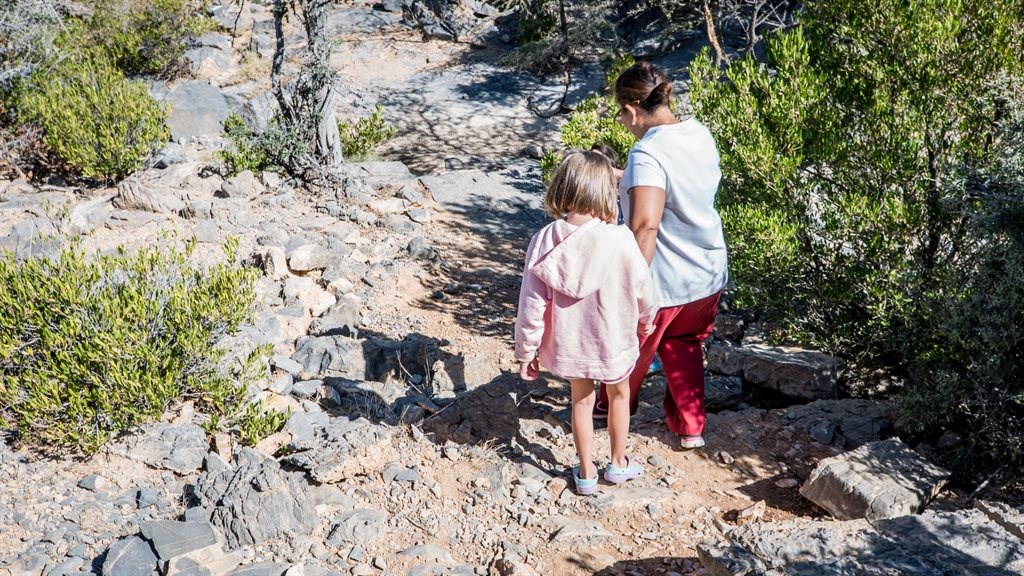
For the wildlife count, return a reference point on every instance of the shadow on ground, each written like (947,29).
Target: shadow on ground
(480,280)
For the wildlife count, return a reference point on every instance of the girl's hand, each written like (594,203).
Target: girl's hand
(529,370)
(645,331)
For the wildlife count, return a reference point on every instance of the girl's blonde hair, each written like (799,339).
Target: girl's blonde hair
(585,183)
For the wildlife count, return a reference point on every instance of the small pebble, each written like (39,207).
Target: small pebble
(93,482)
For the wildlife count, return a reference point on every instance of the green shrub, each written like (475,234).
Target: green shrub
(537,19)
(284,147)
(92,117)
(142,36)
(968,373)
(852,139)
(92,346)
(358,140)
(546,46)
(258,421)
(279,147)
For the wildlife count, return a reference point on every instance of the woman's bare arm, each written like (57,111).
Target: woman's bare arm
(646,205)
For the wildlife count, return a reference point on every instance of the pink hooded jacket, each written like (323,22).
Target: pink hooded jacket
(585,290)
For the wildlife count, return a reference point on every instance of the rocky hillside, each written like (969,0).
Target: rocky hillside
(412,448)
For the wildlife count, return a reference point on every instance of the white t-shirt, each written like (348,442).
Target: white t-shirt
(690,260)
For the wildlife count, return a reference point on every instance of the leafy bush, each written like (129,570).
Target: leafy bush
(283,147)
(28,32)
(968,368)
(92,117)
(278,147)
(142,37)
(359,139)
(537,19)
(849,144)
(594,122)
(92,346)
(22,152)
(872,200)
(258,421)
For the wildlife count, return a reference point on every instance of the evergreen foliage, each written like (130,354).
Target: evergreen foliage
(969,368)
(593,122)
(361,137)
(92,117)
(852,140)
(92,346)
(862,198)
(141,36)
(283,146)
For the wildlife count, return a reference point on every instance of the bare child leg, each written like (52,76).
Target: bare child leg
(618,420)
(583,425)
(621,468)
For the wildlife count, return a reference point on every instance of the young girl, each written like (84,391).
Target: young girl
(586,294)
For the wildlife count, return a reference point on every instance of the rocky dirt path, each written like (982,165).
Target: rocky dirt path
(441,463)
(650,526)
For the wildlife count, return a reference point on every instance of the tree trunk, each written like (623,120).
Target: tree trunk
(311,105)
(320,90)
(709,21)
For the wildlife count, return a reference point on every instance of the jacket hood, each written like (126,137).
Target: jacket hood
(570,267)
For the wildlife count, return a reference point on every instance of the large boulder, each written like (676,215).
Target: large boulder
(256,500)
(882,479)
(198,109)
(939,544)
(793,372)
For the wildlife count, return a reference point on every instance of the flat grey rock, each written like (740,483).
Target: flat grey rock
(943,544)
(361,526)
(87,216)
(330,356)
(883,479)
(796,373)
(345,448)
(177,447)
(137,194)
(131,556)
(966,539)
(467,191)
(377,173)
(198,109)
(35,238)
(171,538)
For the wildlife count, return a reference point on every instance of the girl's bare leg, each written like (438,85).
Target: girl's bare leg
(583,424)
(618,420)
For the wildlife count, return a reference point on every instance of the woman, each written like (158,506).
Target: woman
(668,190)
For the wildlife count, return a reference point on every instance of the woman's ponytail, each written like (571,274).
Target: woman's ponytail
(645,84)
(661,95)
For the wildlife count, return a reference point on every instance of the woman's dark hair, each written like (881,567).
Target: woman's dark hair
(643,84)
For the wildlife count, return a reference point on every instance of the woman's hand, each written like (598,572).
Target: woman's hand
(645,331)
(529,370)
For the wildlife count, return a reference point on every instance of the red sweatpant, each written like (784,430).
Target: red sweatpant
(678,336)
